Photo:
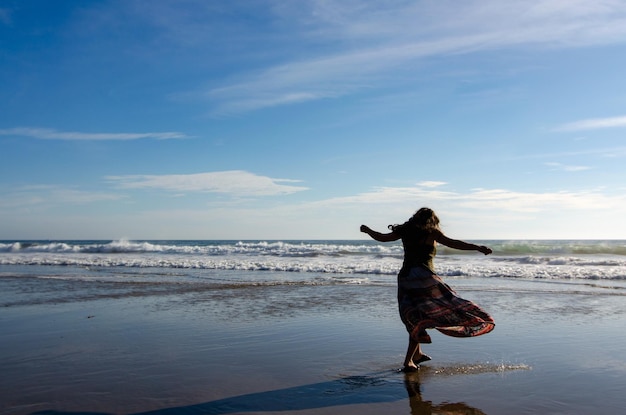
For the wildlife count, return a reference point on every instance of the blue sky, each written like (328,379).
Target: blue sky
(174,119)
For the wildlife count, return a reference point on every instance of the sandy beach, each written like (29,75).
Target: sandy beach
(306,350)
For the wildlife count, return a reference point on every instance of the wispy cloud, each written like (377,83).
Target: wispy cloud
(564,167)
(604,152)
(593,124)
(431,183)
(484,213)
(369,41)
(512,201)
(482,199)
(329,76)
(235,182)
(46,196)
(51,134)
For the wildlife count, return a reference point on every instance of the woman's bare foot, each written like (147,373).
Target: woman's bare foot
(421,359)
(413,365)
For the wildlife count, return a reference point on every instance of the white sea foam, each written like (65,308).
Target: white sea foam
(594,260)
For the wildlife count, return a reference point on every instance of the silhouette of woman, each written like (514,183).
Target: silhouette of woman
(424,300)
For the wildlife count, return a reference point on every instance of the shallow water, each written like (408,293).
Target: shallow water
(259,342)
(258,327)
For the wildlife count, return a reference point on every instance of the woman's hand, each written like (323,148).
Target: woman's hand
(380,237)
(485,250)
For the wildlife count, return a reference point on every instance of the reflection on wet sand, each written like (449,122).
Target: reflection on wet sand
(350,390)
(422,407)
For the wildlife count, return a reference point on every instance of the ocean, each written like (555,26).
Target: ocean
(364,260)
(196,327)
(151,266)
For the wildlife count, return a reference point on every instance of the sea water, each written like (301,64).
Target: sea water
(593,260)
(78,316)
(124,267)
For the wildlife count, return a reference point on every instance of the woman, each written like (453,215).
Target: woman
(425,301)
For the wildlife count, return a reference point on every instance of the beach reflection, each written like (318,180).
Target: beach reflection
(422,407)
(351,390)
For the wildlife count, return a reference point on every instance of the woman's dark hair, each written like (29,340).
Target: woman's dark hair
(424,219)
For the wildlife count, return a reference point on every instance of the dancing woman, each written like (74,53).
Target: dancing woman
(424,300)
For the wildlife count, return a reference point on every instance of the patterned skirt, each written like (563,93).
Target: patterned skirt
(426,302)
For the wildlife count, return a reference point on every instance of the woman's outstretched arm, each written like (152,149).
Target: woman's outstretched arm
(465,246)
(380,237)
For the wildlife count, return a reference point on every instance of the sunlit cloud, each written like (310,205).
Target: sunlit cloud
(501,199)
(477,213)
(51,134)
(482,199)
(484,213)
(593,124)
(431,183)
(235,182)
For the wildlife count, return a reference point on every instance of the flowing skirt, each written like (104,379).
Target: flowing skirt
(426,302)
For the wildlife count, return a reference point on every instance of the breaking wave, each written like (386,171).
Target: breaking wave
(594,260)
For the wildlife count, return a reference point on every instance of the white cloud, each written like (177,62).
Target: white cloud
(501,199)
(234,182)
(593,124)
(605,152)
(371,40)
(482,199)
(431,183)
(560,166)
(475,213)
(45,196)
(563,21)
(478,213)
(51,134)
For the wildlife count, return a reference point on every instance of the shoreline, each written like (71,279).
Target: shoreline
(309,349)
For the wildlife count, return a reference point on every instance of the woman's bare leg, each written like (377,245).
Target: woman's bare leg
(414,350)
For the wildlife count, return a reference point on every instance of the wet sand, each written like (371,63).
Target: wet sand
(320,350)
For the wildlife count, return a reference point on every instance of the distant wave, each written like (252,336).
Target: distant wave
(277,248)
(562,260)
(387,268)
(178,262)
(308,248)
(552,247)
(592,260)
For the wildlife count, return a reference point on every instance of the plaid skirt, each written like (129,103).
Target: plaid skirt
(426,302)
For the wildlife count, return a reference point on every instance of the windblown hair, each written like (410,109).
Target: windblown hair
(424,219)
